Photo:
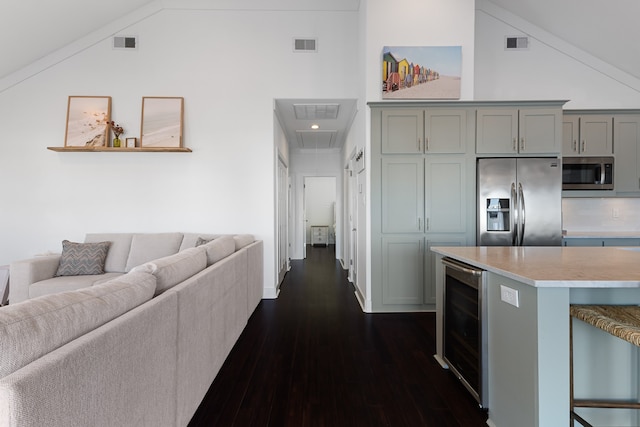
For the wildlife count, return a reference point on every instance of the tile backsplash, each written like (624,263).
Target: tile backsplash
(601,214)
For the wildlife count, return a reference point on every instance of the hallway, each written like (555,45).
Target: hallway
(313,358)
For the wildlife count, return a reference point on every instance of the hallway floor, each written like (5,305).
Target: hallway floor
(313,358)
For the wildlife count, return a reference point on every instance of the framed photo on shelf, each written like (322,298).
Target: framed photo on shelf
(131,142)
(161,122)
(87,121)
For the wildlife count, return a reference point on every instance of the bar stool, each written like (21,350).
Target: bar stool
(622,321)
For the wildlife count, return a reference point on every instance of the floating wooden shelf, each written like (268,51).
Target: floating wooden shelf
(122,149)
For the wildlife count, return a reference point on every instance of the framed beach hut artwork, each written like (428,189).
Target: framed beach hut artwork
(161,122)
(87,121)
(429,72)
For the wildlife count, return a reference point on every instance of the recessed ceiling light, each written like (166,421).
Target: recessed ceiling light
(314,127)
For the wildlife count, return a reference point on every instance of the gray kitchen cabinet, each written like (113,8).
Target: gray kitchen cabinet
(627,153)
(445,194)
(582,241)
(570,135)
(416,131)
(587,135)
(402,192)
(402,270)
(445,131)
(423,184)
(518,131)
(402,131)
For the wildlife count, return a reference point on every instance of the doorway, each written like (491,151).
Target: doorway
(319,211)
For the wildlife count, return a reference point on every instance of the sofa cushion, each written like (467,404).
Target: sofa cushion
(32,328)
(173,269)
(219,248)
(243,240)
(147,247)
(118,252)
(68,283)
(82,258)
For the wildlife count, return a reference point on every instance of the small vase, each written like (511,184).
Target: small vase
(116,142)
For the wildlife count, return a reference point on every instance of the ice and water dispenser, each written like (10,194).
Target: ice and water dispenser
(498,215)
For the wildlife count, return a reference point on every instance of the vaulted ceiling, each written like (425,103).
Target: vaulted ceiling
(32,30)
(607,30)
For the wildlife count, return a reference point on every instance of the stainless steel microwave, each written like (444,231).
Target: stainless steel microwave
(587,173)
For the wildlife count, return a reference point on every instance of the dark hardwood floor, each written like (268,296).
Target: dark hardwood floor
(313,358)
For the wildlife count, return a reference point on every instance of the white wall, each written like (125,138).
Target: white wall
(320,195)
(228,65)
(549,69)
(411,23)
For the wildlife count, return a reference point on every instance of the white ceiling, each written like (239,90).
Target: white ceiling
(607,30)
(30,30)
(332,116)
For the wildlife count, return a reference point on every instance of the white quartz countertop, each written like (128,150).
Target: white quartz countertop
(558,266)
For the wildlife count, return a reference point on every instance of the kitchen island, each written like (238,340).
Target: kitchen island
(528,345)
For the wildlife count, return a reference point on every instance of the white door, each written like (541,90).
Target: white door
(282,220)
(353,224)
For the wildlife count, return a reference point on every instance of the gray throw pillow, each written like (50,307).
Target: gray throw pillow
(202,241)
(82,258)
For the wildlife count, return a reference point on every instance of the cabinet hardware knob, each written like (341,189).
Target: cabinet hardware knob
(515,144)
(584,145)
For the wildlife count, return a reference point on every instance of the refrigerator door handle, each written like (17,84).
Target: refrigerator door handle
(514,220)
(522,215)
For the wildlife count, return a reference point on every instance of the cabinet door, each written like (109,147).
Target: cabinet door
(582,241)
(627,167)
(402,131)
(445,131)
(620,241)
(596,135)
(570,135)
(430,262)
(540,131)
(497,131)
(402,194)
(402,270)
(446,198)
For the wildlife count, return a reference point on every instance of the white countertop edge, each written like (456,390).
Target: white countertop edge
(541,283)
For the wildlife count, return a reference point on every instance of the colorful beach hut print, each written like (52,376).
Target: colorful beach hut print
(430,72)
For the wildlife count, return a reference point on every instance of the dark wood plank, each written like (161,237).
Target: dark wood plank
(312,358)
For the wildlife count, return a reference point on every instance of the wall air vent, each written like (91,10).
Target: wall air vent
(305,45)
(516,43)
(125,42)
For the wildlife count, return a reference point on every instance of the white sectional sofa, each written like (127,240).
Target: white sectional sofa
(37,276)
(137,349)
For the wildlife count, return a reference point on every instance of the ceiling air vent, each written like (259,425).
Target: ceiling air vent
(125,42)
(305,45)
(516,43)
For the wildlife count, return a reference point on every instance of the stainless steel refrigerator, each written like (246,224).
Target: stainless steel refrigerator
(519,202)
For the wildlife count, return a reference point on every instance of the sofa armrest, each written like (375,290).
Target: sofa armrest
(28,271)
